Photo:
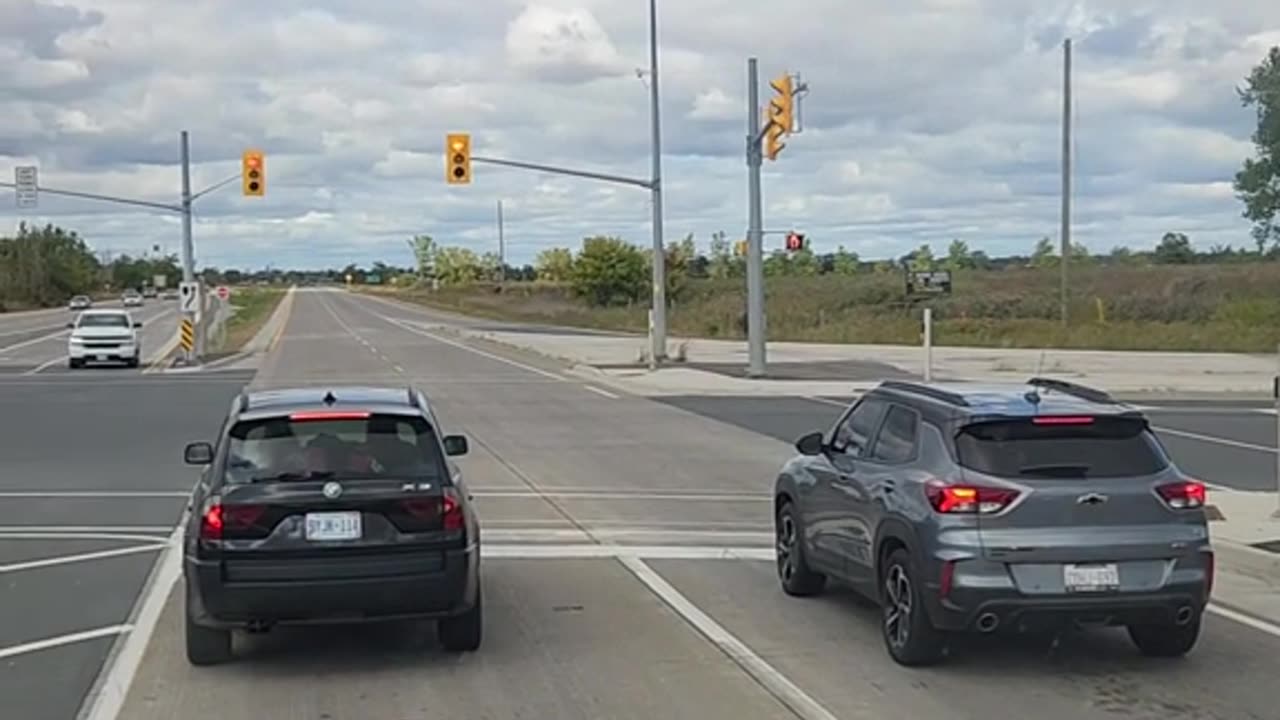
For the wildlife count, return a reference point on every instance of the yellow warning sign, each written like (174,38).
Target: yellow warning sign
(187,334)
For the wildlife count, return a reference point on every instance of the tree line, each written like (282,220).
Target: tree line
(45,266)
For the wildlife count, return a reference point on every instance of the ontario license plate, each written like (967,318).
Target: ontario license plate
(1091,578)
(329,526)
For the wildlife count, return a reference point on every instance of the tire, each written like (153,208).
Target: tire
(1165,640)
(74,364)
(207,646)
(909,635)
(462,633)
(134,362)
(794,574)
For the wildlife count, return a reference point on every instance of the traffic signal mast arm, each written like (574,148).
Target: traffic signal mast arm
(647,184)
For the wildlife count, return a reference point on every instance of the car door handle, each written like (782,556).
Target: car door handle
(887,486)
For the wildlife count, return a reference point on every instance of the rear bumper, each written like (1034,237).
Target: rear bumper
(442,591)
(1029,613)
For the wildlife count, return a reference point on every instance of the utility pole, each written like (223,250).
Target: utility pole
(188,251)
(659,349)
(502,251)
(755,229)
(1065,252)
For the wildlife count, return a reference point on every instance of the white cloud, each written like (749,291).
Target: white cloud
(926,120)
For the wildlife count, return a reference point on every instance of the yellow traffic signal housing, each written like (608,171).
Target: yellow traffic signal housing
(740,248)
(773,141)
(253,173)
(781,108)
(457,159)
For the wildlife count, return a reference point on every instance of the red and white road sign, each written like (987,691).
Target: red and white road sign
(224,292)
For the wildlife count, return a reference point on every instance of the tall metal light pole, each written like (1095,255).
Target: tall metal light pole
(755,230)
(1065,252)
(659,349)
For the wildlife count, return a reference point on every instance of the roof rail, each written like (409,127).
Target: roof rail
(936,393)
(244,401)
(413,398)
(1069,388)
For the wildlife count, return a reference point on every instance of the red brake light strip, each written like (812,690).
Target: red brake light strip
(328,415)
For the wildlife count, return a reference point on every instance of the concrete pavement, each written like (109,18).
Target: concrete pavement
(627,576)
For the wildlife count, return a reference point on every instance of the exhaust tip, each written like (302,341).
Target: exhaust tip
(988,622)
(1184,615)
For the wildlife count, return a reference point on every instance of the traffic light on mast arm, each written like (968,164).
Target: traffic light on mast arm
(457,159)
(253,173)
(795,242)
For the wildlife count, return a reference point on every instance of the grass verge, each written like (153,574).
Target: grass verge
(1221,308)
(253,307)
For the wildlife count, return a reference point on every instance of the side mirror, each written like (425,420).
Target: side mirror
(71,326)
(811,444)
(137,324)
(455,445)
(198,453)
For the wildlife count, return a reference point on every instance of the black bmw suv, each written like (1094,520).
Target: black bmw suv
(329,505)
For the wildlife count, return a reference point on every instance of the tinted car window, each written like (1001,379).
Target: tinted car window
(1106,447)
(104,321)
(381,446)
(897,440)
(854,433)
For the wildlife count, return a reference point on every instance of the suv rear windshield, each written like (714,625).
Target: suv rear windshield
(1102,447)
(373,447)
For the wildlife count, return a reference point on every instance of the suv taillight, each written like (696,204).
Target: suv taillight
(1183,495)
(443,512)
(219,521)
(967,498)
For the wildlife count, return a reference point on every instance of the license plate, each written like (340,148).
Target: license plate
(1090,578)
(333,526)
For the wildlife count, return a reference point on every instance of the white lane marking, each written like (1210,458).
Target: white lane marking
(81,557)
(1214,439)
(33,341)
(77,536)
(86,528)
(769,677)
(461,346)
(103,494)
(1253,622)
(106,699)
(525,535)
(825,401)
(61,640)
(592,495)
(586,551)
(25,331)
(598,391)
(44,366)
(398,369)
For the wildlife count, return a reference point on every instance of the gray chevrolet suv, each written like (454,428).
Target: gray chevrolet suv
(985,507)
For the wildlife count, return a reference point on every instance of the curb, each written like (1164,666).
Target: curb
(1246,560)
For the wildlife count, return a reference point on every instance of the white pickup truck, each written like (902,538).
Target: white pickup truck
(104,336)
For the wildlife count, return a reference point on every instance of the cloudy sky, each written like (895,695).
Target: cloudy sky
(927,120)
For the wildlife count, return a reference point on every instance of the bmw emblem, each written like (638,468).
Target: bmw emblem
(332,490)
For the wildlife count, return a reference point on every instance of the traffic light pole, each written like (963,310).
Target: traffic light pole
(183,208)
(755,229)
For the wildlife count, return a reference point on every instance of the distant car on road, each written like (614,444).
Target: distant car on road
(131,299)
(968,507)
(330,505)
(80,302)
(104,336)
(149,292)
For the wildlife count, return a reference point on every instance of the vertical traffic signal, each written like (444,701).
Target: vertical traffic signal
(457,159)
(253,173)
(740,248)
(795,242)
(781,107)
(773,141)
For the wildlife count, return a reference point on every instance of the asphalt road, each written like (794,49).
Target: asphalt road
(566,470)
(36,343)
(91,480)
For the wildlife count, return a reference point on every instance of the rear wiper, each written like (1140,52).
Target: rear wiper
(293,476)
(1059,470)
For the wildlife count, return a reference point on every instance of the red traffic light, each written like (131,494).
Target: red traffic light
(795,242)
